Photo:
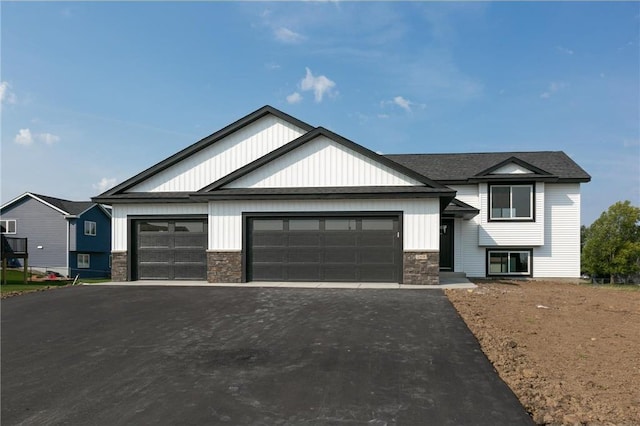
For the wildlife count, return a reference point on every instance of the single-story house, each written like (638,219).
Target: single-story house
(271,198)
(68,237)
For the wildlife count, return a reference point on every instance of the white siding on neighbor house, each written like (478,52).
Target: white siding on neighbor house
(511,169)
(121,212)
(322,162)
(223,157)
(421,218)
(560,256)
(511,233)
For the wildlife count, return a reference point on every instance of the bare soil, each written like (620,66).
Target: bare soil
(570,352)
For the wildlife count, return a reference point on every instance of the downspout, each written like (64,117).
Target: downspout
(68,246)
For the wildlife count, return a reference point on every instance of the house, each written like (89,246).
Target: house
(271,198)
(68,237)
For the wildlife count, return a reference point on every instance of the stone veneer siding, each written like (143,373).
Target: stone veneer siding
(224,267)
(119,266)
(421,267)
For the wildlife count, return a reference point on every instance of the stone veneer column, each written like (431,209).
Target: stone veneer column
(421,267)
(119,260)
(224,266)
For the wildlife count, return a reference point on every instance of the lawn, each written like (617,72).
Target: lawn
(15,284)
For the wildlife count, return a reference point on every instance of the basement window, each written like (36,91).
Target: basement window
(507,262)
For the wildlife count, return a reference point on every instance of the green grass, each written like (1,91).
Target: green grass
(25,288)
(93,280)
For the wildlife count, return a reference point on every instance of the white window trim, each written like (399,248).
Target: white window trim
(509,253)
(531,201)
(84,265)
(7,227)
(88,231)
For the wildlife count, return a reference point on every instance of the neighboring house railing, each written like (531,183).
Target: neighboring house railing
(13,247)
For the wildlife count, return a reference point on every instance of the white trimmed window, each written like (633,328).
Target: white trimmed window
(8,226)
(511,202)
(89,228)
(509,262)
(84,261)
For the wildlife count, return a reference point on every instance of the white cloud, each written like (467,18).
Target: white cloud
(564,50)
(320,85)
(272,66)
(104,184)
(285,35)
(48,138)
(403,103)
(6,95)
(294,98)
(24,137)
(553,88)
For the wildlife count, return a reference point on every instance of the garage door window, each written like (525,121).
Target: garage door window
(304,225)
(377,224)
(268,225)
(340,224)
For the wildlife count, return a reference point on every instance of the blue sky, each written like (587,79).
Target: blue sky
(93,93)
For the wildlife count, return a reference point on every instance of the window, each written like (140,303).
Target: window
(304,224)
(89,228)
(84,261)
(503,262)
(511,202)
(268,225)
(8,226)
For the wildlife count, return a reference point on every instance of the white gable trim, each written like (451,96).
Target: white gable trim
(322,162)
(28,194)
(511,169)
(223,157)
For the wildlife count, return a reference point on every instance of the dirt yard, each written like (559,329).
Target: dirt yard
(571,353)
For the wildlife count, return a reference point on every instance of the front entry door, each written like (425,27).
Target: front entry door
(446,244)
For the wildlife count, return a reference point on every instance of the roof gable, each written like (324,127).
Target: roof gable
(64,207)
(136,183)
(459,168)
(513,166)
(308,158)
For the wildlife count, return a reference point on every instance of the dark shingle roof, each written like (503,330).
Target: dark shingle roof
(71,207)
(459,168)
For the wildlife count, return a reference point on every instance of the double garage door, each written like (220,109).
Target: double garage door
(170,249)
(348,249)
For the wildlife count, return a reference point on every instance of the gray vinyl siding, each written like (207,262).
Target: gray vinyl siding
(42,226)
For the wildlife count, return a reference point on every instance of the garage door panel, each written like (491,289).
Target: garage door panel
(269,239)
(270,254)
(343,239)
(340,255)
(377,255)
(170,249)
(154,241)
(304,240)
(324,249)
(268,272)
(304,272)
(334,272)
(303,255)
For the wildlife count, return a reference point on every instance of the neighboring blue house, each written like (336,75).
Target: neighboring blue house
(69,237)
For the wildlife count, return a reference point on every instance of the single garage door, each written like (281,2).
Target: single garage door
(347,249)
(170,249)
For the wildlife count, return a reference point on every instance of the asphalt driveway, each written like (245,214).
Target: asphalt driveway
(203,355)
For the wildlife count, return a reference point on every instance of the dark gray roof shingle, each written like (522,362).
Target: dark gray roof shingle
(71,207)
(458,168)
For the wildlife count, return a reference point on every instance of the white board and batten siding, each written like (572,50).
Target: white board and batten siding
(560,255)
(121,212)
(511,169)
(222,157)
(322,162)
(421,218)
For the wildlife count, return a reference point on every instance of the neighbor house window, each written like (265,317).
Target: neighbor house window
(84,261)
(89,228)
(511,202)
(507,262)
(8,226)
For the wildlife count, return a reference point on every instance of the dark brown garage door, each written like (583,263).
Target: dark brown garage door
(347,249)
(170,249)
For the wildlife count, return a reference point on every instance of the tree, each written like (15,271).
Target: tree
(612,242)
